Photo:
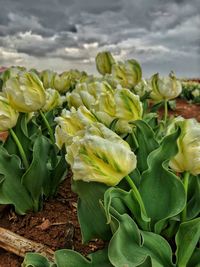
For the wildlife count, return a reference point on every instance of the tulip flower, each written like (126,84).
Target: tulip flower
(143,88)
(86,94)
(8,116)
(128,73)
(25,92)
(70,123)
(53,100)
(47,77)
(100,155)
(128,105)
(165,88)
(104,62)
(188,156)
(62,82)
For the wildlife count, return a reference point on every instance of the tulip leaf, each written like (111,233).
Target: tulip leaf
(36,260)
(70,258)
(195,259)
(124,202)
(11,189)
(146,143)
(34,177)
(187,238)
(193,205)
(57,174)
(91,216)
(131,247)
(160,186)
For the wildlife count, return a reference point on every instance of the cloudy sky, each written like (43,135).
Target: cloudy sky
(63,34)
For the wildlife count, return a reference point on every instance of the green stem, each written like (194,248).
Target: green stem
(166,112)
(48,126)
(20,148)
(185,184)
(137,194)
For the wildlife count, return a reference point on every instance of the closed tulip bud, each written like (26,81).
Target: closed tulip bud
(104,62)
(100,155)
(188,156)
(8,116)
(25,92)
(165,88)
(62,82)
(53,100)
(128,105)
(47,78)
(128,73)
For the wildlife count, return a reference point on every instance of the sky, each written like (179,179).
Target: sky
(67,34)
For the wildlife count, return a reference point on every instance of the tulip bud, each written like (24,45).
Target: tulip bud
(128,73)
(100,155)
(53,100)
(8,116)
(25,92)
(104,62)
(188,156)
(47,78)
(165,88)
(128,105)
(62,82)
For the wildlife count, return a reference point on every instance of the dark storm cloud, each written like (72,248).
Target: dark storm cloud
(55,32)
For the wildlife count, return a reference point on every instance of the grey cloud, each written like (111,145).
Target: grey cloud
(158,33)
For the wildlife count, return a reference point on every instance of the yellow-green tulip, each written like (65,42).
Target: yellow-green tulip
(25,92)
(101,156)
(104,62)
(8,116)
(165,88)
(128,105)
(188,156)
(47,77)
(70,123)
(86,94)
(53,100)
(143,88)
(128,73)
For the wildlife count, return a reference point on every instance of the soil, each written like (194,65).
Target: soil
(57,225)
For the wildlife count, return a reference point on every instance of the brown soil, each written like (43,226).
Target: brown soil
(56,225)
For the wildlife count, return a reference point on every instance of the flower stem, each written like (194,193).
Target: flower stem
(20,148)
(185,184)
(166,112)
(48,126)
(136,194)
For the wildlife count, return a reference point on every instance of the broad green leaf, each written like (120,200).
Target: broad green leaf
(195,259)
(187,238)
(36,260)
(91,216)
(37,172)
(11,189)
(124,202)
(131,247)
(70,258)
(146,143)
(193,205)
(161,190)
(57,174)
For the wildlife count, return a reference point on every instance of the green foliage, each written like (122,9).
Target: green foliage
(26,186)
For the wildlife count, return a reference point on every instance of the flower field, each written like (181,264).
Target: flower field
(135,162)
